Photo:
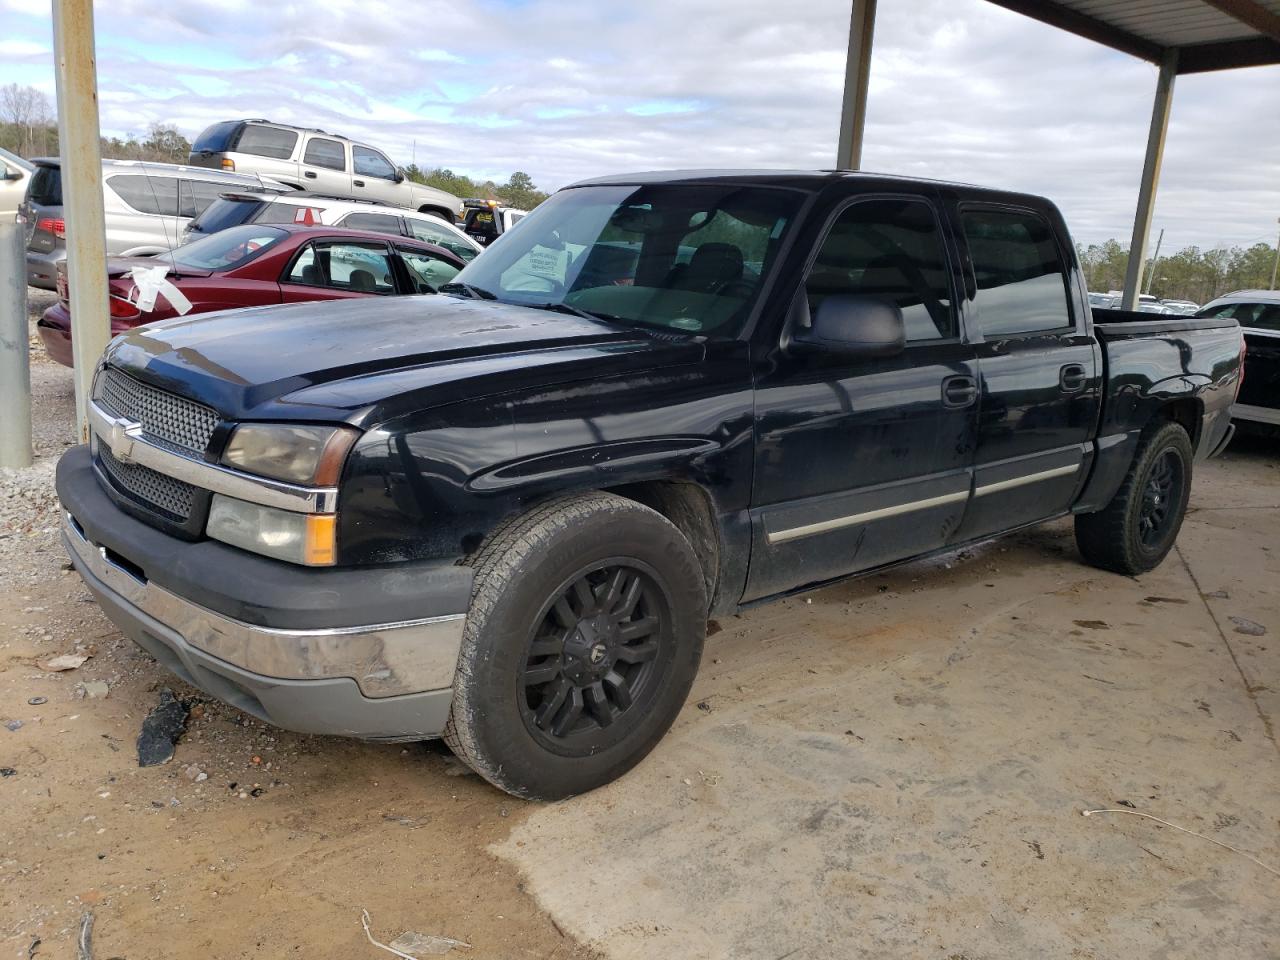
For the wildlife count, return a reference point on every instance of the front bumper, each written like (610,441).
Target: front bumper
(374,680)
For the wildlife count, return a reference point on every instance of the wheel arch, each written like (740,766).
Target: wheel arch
(689,508)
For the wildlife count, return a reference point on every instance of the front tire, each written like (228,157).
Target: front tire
(584,634)
(1138,528)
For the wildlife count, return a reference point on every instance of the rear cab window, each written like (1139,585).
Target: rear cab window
(1020,275)
(263,141)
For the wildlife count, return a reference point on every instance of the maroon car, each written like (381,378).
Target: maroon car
(257,264)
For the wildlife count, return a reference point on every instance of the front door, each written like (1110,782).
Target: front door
(861,462)
(373,176)
(1039,368)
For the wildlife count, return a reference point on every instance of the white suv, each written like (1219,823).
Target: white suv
(291,206)
(146,207)
(309,159)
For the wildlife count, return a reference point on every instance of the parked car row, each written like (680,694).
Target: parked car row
(1146,304)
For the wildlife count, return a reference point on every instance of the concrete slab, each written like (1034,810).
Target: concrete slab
(897,766)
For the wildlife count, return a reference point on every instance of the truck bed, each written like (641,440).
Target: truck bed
(1113,324)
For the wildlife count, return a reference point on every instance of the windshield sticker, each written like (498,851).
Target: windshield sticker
(547,263)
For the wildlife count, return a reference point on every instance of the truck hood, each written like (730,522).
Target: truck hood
(367,359)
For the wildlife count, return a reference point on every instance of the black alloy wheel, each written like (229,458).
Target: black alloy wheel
(1161,496)
(594,656)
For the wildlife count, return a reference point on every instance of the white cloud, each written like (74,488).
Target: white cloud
(961,89)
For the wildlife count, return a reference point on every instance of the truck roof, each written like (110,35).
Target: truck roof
(809,180)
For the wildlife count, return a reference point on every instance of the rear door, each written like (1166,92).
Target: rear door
(326,168)
(1038,364)
(861,462)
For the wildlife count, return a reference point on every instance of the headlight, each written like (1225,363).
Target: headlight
(297,453)
(306,538)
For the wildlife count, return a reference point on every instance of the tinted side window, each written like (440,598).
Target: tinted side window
(890,249)
(1022,284)
(378,222)
(325,153)
(267,142)
(1268,318)
(154,195)
(370,163)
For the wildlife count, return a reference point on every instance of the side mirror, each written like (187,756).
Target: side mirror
(10,174)
(399,178)
(852,326)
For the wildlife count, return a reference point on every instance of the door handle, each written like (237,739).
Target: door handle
(357,183)
(1072,378)
(959,391)
(309,174)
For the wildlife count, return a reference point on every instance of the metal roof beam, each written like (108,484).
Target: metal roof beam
(1229,55)
(1251,14)
(1064,18)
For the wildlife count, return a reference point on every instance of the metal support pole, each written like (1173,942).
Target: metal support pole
(857,79)
(78,137)
(15,365)
(1150,179)
(1155,258)
(1275,268)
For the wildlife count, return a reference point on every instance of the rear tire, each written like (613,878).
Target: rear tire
(1137,529)
(584,633)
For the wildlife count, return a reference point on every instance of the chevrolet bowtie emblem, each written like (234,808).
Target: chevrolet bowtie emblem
(120,439)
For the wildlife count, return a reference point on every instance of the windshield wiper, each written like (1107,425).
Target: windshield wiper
(562,307)
(475,293)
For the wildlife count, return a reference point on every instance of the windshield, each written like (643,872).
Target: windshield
(684,258)
(229,249)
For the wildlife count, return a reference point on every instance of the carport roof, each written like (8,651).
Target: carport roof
(1208,34)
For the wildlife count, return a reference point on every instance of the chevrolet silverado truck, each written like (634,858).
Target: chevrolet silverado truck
(503,515)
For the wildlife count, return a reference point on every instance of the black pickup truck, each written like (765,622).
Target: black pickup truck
(504,514)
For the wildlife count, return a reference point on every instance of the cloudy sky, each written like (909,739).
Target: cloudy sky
(566,89)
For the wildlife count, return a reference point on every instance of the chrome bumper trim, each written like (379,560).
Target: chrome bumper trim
(124,437)
(385,659)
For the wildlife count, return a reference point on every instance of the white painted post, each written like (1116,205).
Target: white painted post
(857,80)
(15,368)
(1150,179)
(78,138)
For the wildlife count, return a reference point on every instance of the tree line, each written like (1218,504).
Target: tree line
(1190,274)
(29,128)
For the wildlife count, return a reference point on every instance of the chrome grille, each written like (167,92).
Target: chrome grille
(170,497)
(167,420)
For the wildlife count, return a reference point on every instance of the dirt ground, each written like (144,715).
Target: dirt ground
(891,767)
